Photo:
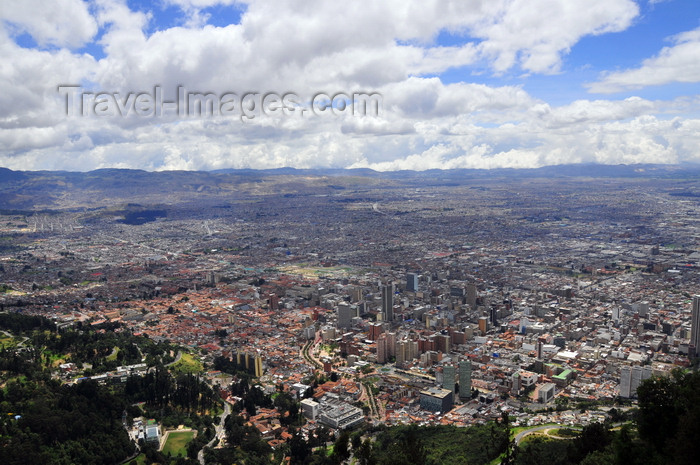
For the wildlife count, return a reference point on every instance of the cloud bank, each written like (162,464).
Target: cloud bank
(403,50)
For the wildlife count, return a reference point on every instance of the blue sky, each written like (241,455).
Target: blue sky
(464,83)
(593,55)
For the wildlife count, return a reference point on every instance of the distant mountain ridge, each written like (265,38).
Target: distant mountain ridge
(110,186)
(578,169)
(575,170)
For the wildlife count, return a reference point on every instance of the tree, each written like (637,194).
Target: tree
(659,406)
(364,453)
(341,450)
(249,405)
(299,449)
(356,440)
(593,437)
(616,415)
(410,448)
(511,447)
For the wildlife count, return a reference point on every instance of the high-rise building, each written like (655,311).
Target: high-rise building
(616,314)
(413,351)
(412,282)
(517,384)
(494,316)
(471,295)
(375,329)
(401,352)
(448,378)
(636,379)
(483,325)
(522,329)
(625,382)
(458,337)
(356,294)
(388,302)
(345,314)
(643,308)
(465,379)
(309,332)
(212,278)
(444,343)
(391,344)
(382,352)
(631,378)
(258,366)
(695,325)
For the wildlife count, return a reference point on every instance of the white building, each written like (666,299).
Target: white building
(310,408)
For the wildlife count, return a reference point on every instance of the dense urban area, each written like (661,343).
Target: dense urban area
(351,316)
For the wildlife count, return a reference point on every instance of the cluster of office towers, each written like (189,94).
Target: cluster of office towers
(465,378)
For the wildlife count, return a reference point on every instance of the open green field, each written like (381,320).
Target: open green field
(177,442)
(113,355)
(518,429)
(55,359)
(564,432)
(7,341)
(188,364)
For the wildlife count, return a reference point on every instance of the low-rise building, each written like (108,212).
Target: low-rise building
(546,392)
(340,415)
(436,400)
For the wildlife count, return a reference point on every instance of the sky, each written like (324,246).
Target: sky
(456,84)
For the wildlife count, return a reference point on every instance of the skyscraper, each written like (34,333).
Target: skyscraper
(631,378)
(375,330)
(465,379)
(345,314)
(382,352)
(523,325)
(483,325)
(413,351)
(402,352)
(448,377)
(356,294)
(391,344)
(471,295)
(412,282)
(625,382)
(388,302)
(444,343)
(258,366)
(695,325)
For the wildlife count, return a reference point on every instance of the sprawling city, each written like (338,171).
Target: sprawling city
(369,301)
(369,232)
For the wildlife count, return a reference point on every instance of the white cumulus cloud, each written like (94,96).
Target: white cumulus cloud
(677,63)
